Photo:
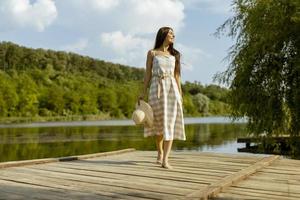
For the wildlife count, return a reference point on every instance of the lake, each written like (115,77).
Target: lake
(59,139)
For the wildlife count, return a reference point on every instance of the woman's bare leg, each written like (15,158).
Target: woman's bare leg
(159,146)
(167,149)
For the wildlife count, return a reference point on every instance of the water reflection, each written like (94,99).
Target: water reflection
(44,142)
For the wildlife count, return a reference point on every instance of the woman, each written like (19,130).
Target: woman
(165,94)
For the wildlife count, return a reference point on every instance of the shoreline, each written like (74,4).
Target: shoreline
(103,116)
(116,122)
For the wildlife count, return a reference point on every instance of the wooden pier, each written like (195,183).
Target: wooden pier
(271,145)
(131,174)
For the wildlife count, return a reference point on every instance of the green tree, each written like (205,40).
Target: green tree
(72,101)
(8,96)
(264,70)
(13,55)
(201,103)
(215,92)
(189,109)
(107,101)
(54,99)
(28,96)
(192,88)
(218,108)
(126,101)
(88,99)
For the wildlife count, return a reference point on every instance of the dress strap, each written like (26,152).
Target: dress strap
(153,52)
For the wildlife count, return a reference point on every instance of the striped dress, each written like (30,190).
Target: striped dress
(165,100)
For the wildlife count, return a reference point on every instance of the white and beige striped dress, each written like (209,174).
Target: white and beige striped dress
(165,100)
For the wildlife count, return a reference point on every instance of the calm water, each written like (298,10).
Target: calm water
(57,139)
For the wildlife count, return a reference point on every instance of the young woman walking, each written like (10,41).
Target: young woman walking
(165,94)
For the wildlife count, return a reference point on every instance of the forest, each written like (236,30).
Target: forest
(43,84)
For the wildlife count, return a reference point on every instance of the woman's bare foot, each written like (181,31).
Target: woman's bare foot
(166,165)
(159,158)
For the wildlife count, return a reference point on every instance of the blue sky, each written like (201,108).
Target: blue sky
(122,31)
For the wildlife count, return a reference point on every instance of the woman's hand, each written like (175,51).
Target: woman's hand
(141,97)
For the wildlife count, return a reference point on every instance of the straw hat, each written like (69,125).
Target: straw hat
(143,114)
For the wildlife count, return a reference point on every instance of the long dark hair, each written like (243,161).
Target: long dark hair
(159,40)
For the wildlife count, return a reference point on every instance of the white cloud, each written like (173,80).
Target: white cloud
(132,50)
(103,4)
(191,57)
(214,6)
(121,43)
(131,16)
(147,16)
(23,14)
(91,5)
(77,46)
(126,27)
(128,48)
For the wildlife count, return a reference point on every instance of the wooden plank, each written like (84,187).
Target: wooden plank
(157,180)
(259,190)
(162,174)
(285,168)
(184,163)
(50,160)
(246,193)
(26,162)
(202,161)
(233,196)
(210,173)
(87,179)
(278,172)
(264,177)
(219,158)
(20,190)
(93,188)
(94,155)
(271,186)
(216,155)
(215,188)
(150,168)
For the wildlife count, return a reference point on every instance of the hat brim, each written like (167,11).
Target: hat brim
(147,109)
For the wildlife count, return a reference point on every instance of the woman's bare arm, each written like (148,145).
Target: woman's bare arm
(148,73)
(177,78)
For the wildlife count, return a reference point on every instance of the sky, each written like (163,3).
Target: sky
(122,31)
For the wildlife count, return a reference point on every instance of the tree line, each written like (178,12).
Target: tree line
(45,83)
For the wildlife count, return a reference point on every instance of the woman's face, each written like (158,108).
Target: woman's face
(170,37)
